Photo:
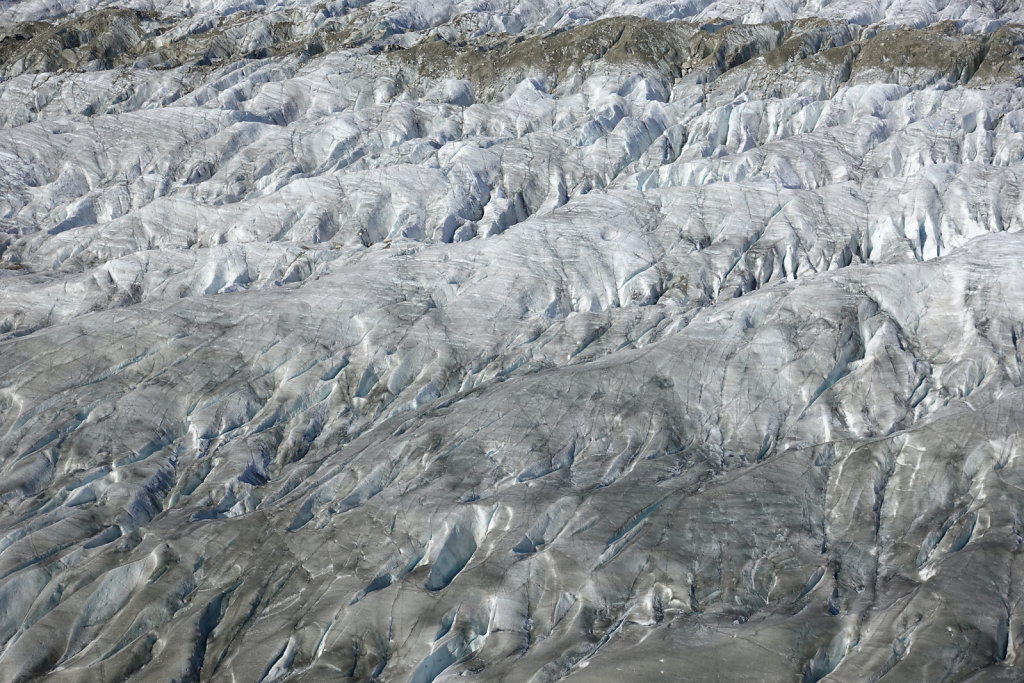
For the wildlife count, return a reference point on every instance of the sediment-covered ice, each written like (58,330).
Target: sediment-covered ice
(503,15)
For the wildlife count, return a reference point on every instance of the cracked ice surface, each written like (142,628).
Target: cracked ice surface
(506,15)
(632,350)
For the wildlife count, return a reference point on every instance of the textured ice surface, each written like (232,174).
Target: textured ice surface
(522,15)
(629,351)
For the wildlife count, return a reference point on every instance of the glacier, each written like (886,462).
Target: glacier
(597,341)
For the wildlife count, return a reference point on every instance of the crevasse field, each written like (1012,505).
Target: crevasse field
(419,341)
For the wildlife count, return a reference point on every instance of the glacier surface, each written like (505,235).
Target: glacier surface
(514,341)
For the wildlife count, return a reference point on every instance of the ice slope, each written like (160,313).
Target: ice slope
(635,350)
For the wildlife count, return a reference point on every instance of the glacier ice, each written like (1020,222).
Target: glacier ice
(525,341)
